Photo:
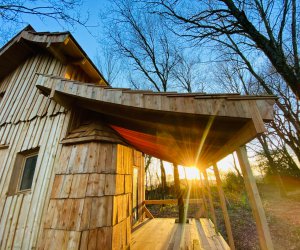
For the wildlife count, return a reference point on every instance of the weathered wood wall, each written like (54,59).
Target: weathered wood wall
(28,120)
(80,193)
(90,205)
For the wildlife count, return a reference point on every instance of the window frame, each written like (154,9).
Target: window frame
(18,171)
(20,178)
(2,95)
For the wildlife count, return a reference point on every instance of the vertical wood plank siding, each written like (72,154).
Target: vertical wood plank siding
(81,194)
(28,120)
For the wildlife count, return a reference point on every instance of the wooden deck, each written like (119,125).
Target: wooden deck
(164,233)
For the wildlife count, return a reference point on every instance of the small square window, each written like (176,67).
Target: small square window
(23,172)
(28,173)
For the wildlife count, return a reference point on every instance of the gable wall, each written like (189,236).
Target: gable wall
(74,72)
(28,120)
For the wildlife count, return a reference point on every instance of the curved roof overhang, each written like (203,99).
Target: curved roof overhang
(186,129)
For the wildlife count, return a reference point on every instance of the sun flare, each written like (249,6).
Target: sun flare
(190,173)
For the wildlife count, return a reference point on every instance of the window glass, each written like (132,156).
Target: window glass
(28,172)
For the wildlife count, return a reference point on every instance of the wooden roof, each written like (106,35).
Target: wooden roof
(187,129)
(62,45)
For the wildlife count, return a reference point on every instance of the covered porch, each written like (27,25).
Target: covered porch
(164,233)
(184,129)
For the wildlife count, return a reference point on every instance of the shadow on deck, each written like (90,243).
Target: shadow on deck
(164,233)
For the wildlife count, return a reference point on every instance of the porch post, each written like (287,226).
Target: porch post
(224,207)
(203,196)
(178,195)
(211,204)
(264,236)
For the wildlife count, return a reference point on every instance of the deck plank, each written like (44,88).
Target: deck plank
(204,241)
(164,233)
(214,237)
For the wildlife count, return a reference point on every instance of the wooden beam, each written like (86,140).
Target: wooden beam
(171,201)
(179,195)
(264,236)
(4,146)
(256,117)
(65,101)
(66,41)
(203,197)
(244,134)
(147,212)
(211,204)
(56,51)
(79,61)
(161,202)
(224,207)
(251,130)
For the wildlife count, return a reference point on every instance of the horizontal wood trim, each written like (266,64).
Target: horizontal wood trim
(148,213)
(92,138)
(160,202)
(171,201)
(4,146)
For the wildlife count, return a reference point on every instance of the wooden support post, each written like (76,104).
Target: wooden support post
(203,196)
(148,213)
(264,236)
(211,204)
(224,207)
(178,195)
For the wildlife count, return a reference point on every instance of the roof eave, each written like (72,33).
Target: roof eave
(61,45)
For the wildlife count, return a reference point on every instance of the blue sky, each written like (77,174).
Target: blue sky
(86,39)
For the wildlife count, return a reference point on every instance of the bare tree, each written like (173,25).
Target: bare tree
(235,76)
(249,77)
(64,12)
(108,64)
(236,167)
(186,74)
(269,27)
(144,43)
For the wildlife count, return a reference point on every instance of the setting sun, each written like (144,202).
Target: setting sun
(190,173)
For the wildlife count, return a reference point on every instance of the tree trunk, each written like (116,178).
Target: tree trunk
(292,164)
(236,168)
(262,140)
(179,195)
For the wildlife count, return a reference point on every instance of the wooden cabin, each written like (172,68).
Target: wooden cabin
(71,147)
